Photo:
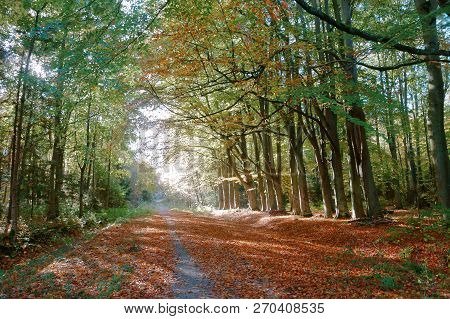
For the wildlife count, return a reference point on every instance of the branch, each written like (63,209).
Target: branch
(366,35)
(400,65)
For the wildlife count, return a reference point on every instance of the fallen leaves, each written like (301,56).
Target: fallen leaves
(248,255)
(131,260)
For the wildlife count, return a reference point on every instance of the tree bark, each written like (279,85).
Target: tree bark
(412,190)
(226,188)
(84,165)
(392,143)
(248,182)
(322,165)
(13,213)
(302,182)
(436,95)
(260,179)
(267,154)
(57,161)
(358,139)
(220,187)
(295,191)
(336,162)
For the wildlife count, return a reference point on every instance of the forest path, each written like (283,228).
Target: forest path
(191,282)
(141,258)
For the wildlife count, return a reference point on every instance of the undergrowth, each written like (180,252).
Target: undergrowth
(429,227)
(34,232)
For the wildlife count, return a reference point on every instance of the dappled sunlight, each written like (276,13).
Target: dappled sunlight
(64,266)
(287,257)
(131,260)
(148,230)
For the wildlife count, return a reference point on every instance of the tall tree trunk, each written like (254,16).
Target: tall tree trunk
(269,171)
(13,213)
(236,196)
(57,161)
(438,143)
(220,187)
(248,182)
(322,165)
(267,154)
(358,139)
(412,171)
(231,183)
(24,187)
(417,142)
(108,180)
(277,177)
(392,143)
(427,144)
(355,182)
(93,198)
(302,182)
(295,191)
(84,165)
(336,162)
(260,179)
(226,188)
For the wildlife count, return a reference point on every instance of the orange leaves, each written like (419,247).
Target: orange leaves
(133,260)
(253,255)
(245,255)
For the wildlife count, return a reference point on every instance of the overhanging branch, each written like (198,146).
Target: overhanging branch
(366,35)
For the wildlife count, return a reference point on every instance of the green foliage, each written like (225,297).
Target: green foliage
(107,288)
(406,252)
(387,282)
(122,214)
(348,251)
(127,268)
(390,274)
(395,234)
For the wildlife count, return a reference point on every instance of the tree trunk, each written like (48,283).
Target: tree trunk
(269,171)
(226,188)
(57,161)
(302,182)
(295,191)
(436,94)
(336,162)
(277,177)
(13,212)
(248,183)
(108,181)
(412,171)
(355,182)
(392,143)
(260,179)
(231,183)
(322,165)
(417,142)
(358,139)
(220,187)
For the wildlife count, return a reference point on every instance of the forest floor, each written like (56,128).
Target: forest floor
(240,255)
